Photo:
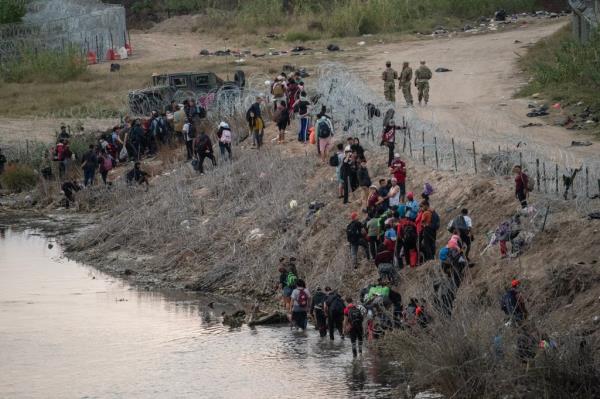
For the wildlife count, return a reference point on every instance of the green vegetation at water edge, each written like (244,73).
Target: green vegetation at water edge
(564,70)
(334,17)
(43,66)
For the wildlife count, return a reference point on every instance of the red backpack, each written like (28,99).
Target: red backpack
(302,298)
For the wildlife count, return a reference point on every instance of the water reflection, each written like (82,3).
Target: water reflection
(67,330)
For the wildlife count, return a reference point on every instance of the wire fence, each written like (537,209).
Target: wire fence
(557,173)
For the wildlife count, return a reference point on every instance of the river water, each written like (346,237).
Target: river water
(69,331)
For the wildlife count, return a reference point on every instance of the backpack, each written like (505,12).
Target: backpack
(435,221)
(334,160)
(508,302)
(459,223)
(409,233)
(302,298)
(291,280)
(444,254)
(353,231)
(278,90)
(324,130)
(107,163)
(425,73)
(336,305)
(355,317)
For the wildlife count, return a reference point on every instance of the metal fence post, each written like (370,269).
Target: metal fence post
(437,160)
(454,154)
(474,158)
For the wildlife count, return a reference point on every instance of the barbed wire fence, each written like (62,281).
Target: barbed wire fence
(557,173)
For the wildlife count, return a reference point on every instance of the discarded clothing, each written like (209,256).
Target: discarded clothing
(442,69)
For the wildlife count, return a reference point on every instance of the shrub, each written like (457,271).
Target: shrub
(45,65)
(18,177)
(12,11)
(301,36)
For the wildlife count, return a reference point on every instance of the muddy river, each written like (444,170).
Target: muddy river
(69,331)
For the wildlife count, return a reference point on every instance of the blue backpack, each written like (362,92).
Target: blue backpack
(444,254)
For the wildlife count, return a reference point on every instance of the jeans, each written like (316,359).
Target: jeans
(104,174)
(201,159)
(390,147)
(428,243)
(335,322)
(189,146)
(299,318)
(354,251)
(303,133)
(258,138)
(356,334)
(373,246)
(522,197)
(321,322)
(88,176)
(225,147)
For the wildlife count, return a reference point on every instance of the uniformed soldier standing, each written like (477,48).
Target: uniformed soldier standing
(405,82)
(389,77)
(422,77)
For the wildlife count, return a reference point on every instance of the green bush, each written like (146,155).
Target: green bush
(44,66)
(564,69)
(12,11)
(18,177)
(301,36)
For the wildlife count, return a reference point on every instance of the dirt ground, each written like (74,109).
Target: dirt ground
(475,100)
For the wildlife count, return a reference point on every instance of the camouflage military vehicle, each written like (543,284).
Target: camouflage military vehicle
(204,87)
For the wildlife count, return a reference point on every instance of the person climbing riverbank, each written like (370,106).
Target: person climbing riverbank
(300,305)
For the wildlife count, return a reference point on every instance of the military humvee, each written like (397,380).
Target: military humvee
(204,87)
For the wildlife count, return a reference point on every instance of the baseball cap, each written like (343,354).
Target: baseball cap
(354,215)
(515,283)
(397,155)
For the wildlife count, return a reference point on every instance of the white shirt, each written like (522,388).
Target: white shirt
(468,221)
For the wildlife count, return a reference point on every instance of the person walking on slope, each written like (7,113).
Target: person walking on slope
(257,129)
(224,136)
(388,139)
(422,77)
(353,326)
(521,185)
(513,303)
(355,233)
(405,81)
(203,149)
(325,136)
(389,77)
(300,305)
(302,108)
(282,118)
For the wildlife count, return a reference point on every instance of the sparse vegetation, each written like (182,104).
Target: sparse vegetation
(18,177)
(44,66)
(339,17)
(12,11)
(563,69)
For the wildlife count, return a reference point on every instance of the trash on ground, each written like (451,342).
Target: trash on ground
(581,143)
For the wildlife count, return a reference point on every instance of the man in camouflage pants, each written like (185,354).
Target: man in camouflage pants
(422,77)
(405,81)
(389,86)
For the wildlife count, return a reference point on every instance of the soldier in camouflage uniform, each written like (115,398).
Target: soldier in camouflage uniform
(405,81)
(422,76)
(389,77)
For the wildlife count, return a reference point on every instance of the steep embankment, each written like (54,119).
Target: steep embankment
(225,231)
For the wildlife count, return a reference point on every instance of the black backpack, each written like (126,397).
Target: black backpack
(355,317)
(508,303)
(409,234)
(334,160)
(435,221)
(324,130)
(354,231)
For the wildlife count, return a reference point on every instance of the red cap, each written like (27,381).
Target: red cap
(515,283)
(354,216)
(410,195)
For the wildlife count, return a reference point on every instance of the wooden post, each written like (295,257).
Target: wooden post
(587,183)
(545,217)
(544,172)
(537,171)
(410,144)
(521,160)
(437,160)
(556,178)
(454,154)
(423,142)
(404,142)
(474,158)
(27,147)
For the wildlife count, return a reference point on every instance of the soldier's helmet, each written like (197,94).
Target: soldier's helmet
(388,63)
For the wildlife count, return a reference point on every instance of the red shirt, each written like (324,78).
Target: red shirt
(399,170)
(347,308)
(521,181)
(373,198)
(401,224)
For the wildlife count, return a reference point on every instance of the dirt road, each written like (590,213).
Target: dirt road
(474,101)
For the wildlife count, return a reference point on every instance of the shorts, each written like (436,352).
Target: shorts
(287,292)
(324,144)
(338,175)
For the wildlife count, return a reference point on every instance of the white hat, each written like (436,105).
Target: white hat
(224,125)
(397,155)
(348,148)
